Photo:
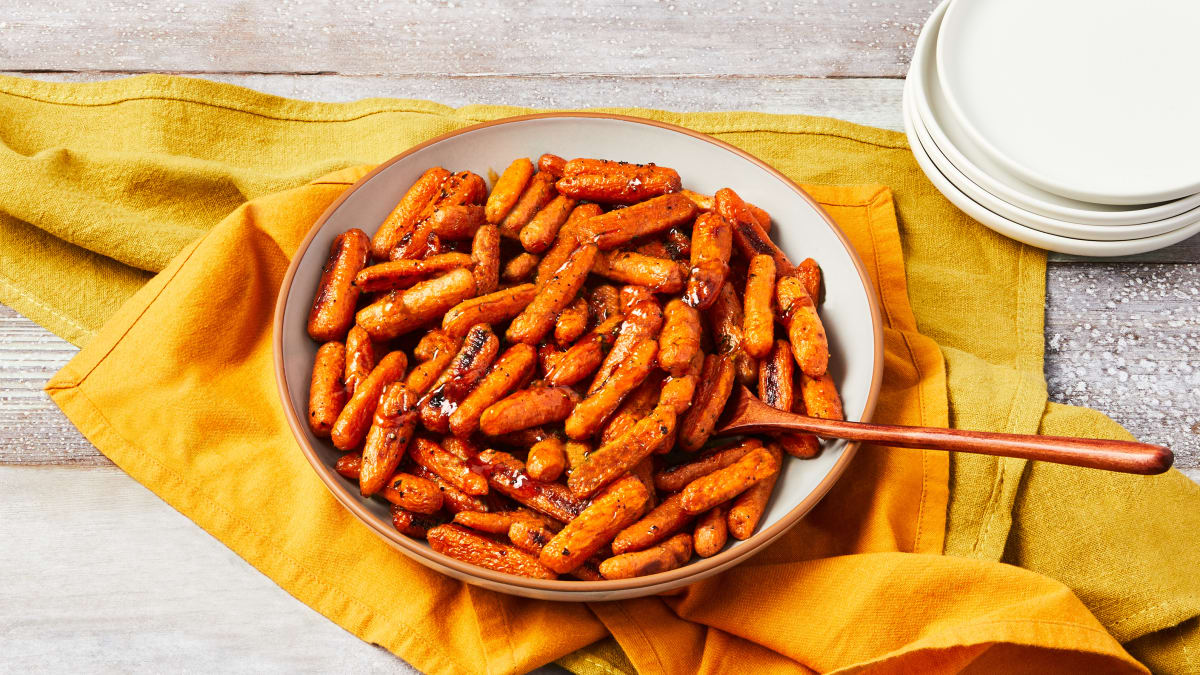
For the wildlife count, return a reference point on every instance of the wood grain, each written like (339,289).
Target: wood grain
(812,38)
(112,579)
(746,415)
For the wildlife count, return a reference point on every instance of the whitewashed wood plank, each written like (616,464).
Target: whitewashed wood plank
(115,580)
(815,38)
(1125,339)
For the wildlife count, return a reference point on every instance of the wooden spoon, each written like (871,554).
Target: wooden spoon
(746,414)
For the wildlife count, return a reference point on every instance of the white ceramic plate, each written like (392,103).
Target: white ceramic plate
(1020,232)
(1091,99)
(939,120)
(802,229)
(1033,220)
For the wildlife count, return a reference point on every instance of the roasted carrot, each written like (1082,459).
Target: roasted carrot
(327,392)
(332,311)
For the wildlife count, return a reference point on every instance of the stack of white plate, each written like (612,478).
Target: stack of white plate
(1071,125)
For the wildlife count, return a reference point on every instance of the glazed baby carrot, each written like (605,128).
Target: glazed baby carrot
(412,205)
(459,542)
(552,164)
(472,361)
(506,376)
(400,312)
(758,322)
(492,308)
(520,268)
(776,388)
(527,408)
(711,532)
(608,182)
(400,274)
(506,474)
(565,243)
(571,323)
(349,465)
(419,495)
(508,190)
(496,522)
(451,469)
(485,252)
(642,322)
(327,393)
(588,416)
(632,295)
(821,397)
(712,244)
(716,383)
(537,194)
(748,234)
(332,311)
(680,338)
(667,556)
(352,424)
(804,327)
(725,317)
(747,510)
(616,457)
(604,301)
(461,188)
(391,431)
(619,227)
(636,406)
(809,272)
(537,319)
(585,356)
(458,221)
(529,536)
(675,478)
(413,524)
(540,231)
(655,274)
(607,515)
(724,484)
(547,459)
(663,521)
(453,500)
(360,357)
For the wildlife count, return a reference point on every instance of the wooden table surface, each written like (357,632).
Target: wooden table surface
(99,574)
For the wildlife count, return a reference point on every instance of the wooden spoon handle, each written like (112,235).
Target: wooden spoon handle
(1125,456)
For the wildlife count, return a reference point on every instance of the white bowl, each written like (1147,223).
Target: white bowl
(940,122)
(1020,232)
(1090,99)
(851,312)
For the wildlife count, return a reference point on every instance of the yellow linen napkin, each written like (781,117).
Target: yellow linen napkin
(104,182)
(214,444)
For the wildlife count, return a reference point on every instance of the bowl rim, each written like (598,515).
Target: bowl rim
(566,589)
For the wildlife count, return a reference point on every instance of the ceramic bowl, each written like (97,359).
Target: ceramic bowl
(1009,195)
(802,229)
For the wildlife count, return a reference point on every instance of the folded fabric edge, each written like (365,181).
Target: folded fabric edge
(242,99)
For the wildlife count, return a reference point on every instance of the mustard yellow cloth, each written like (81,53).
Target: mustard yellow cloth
(105,183)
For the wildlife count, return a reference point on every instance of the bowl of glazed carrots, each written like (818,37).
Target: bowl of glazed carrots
(507,351)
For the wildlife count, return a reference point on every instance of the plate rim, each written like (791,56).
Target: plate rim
(1022,233)
(1027,173)
(924,96)
(575,590)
